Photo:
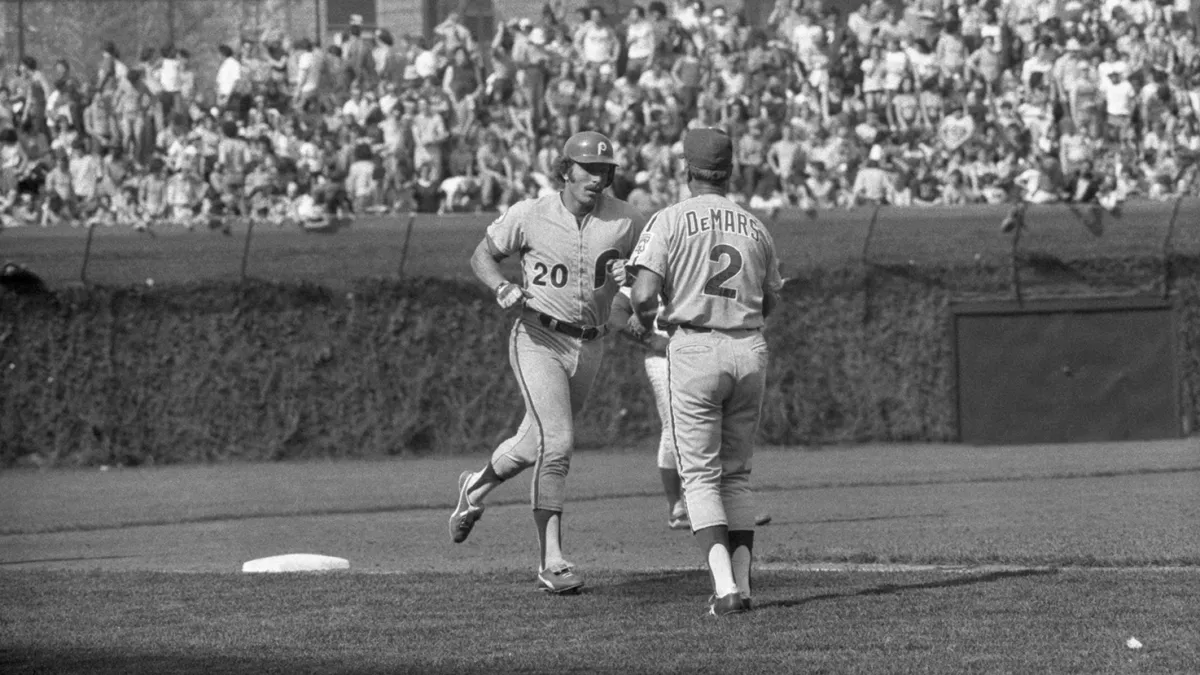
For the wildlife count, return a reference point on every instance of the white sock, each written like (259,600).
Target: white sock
(722,571)
(741,570)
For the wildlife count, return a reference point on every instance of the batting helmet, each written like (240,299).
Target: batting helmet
(589,147)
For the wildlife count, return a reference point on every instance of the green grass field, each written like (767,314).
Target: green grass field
(880,559)
(1038,559)
(1028,621)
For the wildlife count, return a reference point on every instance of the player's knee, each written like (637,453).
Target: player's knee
(557,440)
(556,465)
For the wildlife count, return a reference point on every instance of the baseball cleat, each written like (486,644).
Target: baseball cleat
(762,519)
(559,579)
(727,604)
(465,513)
(678,520)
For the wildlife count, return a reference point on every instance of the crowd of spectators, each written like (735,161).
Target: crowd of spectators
(922,103)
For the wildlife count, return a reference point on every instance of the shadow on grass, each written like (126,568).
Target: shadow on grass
(98,661)
(653,584)
(866,519)
(891,589)
(35,561)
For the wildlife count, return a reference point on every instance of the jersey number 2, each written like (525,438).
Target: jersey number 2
(713,285)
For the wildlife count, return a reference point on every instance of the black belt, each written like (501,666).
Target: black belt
(569,329)
(671,328)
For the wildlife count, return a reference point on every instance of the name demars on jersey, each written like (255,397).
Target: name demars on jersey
(726,220)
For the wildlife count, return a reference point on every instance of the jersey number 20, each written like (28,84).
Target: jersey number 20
(557,275)
(713,285)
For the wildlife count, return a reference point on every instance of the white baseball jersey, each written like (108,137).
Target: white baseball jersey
(564,265)
(715,260)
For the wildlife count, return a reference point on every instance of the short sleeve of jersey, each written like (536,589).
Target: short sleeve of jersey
(652,247)
(506,232)
(640,225)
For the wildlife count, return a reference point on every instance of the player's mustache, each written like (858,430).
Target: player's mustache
(596,185)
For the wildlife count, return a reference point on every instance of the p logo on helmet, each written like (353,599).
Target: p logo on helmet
(590,147)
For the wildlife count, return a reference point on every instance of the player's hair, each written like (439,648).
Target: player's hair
(712,176)
(562,167)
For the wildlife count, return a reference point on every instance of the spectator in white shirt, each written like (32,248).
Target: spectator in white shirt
(721,30)
(781,156)
(426,63)
(859,23)
(872,184)
(690,17)
(1112,63)
(169,78)
(598,45)
(308,74)
(354,107)
(641,42)
(390,98)
(657,79)
(1119,101)
(804,38)
(229,76)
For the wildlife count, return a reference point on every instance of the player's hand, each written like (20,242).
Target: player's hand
(509,294)
(616,270)
(657,343)
(634,327)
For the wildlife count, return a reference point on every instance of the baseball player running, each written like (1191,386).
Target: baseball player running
(573,247)
(716,269)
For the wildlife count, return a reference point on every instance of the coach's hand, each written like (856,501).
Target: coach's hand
(509,294)
(616,270)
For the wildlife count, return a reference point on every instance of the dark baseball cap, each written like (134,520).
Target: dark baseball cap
(708,149)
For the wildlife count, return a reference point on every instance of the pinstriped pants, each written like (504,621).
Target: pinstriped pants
(555,374)
(717,383)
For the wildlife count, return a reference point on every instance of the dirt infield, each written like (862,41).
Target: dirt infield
(1103,505)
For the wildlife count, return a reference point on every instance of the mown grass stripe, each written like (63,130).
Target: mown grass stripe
(392,508)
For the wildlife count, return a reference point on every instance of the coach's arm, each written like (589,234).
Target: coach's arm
(646,288)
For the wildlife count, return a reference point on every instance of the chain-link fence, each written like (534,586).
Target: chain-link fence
(76,30)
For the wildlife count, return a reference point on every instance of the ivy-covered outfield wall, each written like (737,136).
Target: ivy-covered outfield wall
(216,371)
